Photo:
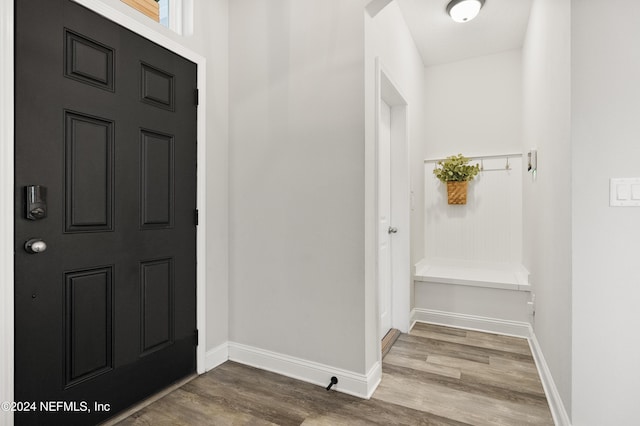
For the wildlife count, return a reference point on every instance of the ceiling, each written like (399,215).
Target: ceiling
(500,26)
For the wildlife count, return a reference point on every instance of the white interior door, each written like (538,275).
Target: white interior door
(384,218)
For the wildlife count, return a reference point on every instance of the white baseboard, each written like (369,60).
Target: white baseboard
(216,356)
(559,413)
(351,383)
(471,322)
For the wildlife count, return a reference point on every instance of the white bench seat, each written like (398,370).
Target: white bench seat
(507,276)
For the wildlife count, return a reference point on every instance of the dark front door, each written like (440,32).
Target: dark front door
(106,135)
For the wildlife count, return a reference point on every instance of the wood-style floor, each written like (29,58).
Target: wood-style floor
(432,376)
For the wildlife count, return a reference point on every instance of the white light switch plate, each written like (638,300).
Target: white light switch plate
(624,192)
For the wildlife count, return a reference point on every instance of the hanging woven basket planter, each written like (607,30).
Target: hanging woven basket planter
(456,172)
(457,192)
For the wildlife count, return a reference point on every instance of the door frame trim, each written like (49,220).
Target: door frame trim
(387,90)
(7,37)
(6,206)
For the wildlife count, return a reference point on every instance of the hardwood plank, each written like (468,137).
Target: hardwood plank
(400,360)
(470,349)
(184,408)
(438,329)
(459,404)
(380,413)
(509,364)
(142,404)
(411,346)
(508,369)
(471,385)
(455,362)
(473,338)
(267,395)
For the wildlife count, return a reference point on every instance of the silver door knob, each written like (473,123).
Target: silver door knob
(35,246)
(393,230)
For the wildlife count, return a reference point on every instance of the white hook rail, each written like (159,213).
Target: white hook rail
(482,158)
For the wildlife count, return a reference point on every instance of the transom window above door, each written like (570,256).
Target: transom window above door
(168,13)
(164,12)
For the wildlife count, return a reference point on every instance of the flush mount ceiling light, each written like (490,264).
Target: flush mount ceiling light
(464,10)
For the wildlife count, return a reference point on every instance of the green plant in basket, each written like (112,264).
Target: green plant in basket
(456,168)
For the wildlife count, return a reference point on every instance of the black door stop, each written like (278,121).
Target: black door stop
(334,380)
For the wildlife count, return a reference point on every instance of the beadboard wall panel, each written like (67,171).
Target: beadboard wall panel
(488,227)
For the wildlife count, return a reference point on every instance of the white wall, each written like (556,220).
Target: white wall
(212,18)
(296,167)
(606,240)
(547,200)
(495,305)
(474,106)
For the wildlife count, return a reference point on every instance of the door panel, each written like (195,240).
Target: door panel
(88,324)
(156,179)
(89,173)
(157,87)
(106,121)
(88,61)
(384,212)
(156,284)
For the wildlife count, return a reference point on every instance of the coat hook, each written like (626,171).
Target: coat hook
(507,167)
(481,164)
